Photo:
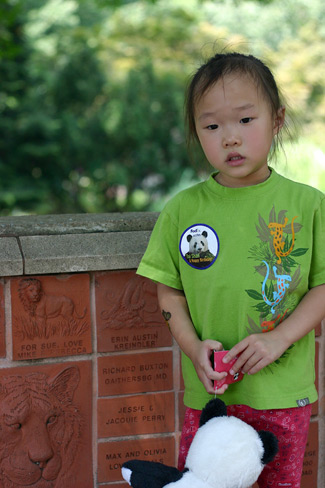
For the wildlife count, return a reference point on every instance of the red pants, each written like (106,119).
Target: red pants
(290,427)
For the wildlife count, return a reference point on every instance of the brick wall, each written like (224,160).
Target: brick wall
(89,374)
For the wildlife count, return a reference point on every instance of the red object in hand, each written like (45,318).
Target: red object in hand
(220,367)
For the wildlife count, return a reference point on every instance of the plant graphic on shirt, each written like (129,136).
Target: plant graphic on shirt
(271,314)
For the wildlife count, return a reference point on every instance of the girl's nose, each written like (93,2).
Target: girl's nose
(231,141)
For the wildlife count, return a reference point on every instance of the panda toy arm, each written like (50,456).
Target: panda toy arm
(149,474)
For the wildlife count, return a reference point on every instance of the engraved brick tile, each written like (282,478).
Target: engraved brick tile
(135,373)
(2,323)
(56,420)
(111,455)
(310,467)
(50,316)
(128,315)
(141,414)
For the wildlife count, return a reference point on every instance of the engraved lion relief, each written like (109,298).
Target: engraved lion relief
(42,308)
(40,429)
(135,305)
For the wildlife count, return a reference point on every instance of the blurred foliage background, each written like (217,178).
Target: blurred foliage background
(91,95)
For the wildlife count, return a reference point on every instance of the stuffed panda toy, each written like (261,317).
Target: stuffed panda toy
(225,453)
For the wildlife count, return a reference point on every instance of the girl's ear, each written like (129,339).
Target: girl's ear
(279,120)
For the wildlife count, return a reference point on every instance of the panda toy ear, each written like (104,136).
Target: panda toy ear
(205,234)
(270,444)
(214,408)
(189,238)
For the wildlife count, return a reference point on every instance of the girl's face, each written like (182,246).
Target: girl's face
(235,127)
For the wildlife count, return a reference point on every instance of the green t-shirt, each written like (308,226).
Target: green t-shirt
(244,258)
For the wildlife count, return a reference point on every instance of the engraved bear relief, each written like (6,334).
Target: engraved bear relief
(132,305)
(47,315)
(40,429)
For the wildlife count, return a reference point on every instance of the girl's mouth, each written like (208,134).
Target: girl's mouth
(235,159)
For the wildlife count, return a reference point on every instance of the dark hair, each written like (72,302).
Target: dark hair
(222,65)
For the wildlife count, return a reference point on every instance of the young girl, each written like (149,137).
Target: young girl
(240,265)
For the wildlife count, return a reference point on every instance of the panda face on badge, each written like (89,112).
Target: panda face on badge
(199,246)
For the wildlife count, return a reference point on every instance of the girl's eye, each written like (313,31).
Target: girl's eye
(212,127)
(246,120)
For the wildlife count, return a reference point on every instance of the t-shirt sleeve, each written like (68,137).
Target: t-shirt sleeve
(160,262)
(317,269)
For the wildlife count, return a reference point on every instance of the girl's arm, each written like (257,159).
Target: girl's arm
(175,311)
(260,350)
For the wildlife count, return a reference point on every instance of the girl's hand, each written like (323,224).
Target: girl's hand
(256,351)
(201,360)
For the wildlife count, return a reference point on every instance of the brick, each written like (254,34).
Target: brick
(111,455)
(310,467)
(134,415)
(50,316)
(127,313)
(2,323)
(135,373)
(53,404)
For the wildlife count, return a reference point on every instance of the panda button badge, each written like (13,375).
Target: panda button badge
(199,246)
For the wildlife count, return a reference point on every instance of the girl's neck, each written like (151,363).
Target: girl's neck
(242,182)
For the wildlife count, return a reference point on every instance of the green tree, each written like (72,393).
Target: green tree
(147,136)
(14,107)
(91,94)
